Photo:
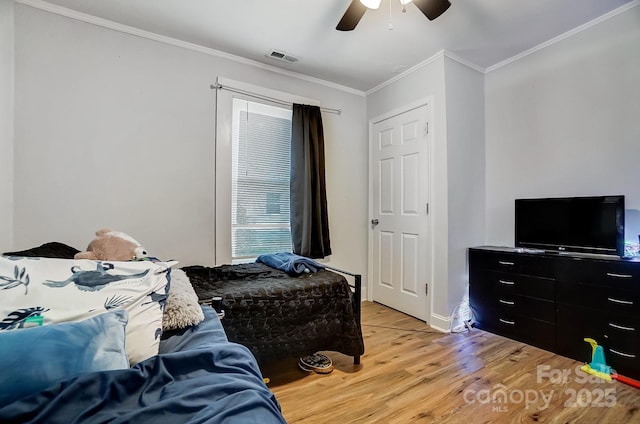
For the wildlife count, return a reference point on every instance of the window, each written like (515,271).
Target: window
(260,167)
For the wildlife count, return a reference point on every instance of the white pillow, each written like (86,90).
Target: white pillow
(62,290)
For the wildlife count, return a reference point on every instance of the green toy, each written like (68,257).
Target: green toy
(598,365)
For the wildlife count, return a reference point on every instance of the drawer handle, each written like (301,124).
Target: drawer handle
(507,322)
(506,302)
(621,327)
(508,283)
(622,302)
(614,275)
(506,263)
(626,355)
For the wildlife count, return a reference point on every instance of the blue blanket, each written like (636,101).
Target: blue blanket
(290,263)
(198,377)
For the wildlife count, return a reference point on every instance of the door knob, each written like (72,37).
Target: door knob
(374,222)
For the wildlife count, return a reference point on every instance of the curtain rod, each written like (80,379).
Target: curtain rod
(218,86)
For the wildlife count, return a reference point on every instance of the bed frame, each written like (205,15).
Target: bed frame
(357,299)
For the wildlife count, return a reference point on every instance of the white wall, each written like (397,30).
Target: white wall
(118,130)
(465,172)
(6,124)
(565,121)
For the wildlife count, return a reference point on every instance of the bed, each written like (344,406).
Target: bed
(204,371)
(277,315)
(274,314)
(198,376)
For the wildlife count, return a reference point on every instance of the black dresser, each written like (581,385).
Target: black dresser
(553,301)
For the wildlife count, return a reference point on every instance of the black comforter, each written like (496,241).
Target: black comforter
(278,316)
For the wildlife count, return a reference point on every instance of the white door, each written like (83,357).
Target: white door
(401,246)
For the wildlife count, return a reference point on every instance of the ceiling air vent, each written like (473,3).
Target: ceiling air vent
(274,54)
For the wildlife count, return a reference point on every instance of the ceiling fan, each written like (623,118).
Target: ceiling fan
(431,9)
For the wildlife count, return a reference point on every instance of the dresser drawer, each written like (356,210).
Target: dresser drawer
(519,306)
(618,335)
(527,307)
(513,263)
(524,329)
(612,274)
(601,298)
(500,283)
(624,363)
(621,326)
(622,334)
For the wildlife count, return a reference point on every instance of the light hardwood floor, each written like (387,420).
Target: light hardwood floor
(411,373)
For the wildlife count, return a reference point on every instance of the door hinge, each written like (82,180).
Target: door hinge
(427,210)
(426,128)
(426,289)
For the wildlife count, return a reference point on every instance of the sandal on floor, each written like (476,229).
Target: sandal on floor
(317,362)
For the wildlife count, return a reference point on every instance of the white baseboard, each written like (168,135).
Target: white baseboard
(440,323)
(364,296)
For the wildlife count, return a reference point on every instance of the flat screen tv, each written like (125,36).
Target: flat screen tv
(571,224)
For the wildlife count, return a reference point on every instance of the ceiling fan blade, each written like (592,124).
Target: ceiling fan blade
(352,16)
(432,8)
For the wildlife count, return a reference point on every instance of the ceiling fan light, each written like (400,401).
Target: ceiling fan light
(371,4)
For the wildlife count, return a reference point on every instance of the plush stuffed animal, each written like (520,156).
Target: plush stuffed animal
(110,245)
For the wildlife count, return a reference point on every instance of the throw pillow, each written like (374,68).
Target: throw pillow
(34,359)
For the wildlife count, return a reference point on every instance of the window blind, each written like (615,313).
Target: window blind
(261,157)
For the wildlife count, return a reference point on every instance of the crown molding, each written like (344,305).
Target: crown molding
(409,71)
(564,36)
(83,17)
(464,62)
(428,61)
(453,56)
(105,23)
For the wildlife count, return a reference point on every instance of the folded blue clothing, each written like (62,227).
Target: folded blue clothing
(290,263)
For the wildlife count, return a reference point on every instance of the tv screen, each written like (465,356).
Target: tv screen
(573,224)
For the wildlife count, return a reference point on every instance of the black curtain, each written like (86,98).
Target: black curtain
(309,220)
